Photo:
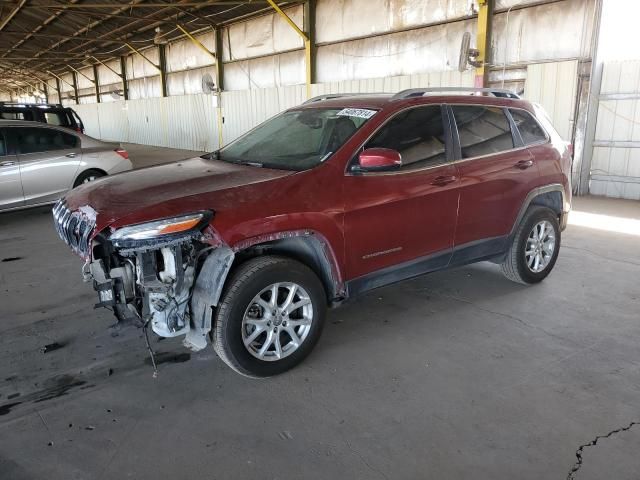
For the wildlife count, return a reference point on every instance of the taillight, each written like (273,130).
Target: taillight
(79,130)
(122,152)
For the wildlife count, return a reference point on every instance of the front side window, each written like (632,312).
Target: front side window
(417,134)
(34,140)
(297,139)
(530,130)
(482,130)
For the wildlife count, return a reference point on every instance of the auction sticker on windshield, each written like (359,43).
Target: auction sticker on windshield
(356,112)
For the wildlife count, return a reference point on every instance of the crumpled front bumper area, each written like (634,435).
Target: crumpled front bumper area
(169,284)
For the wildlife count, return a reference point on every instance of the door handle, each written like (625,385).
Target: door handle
(7,164)
(524,164)
(443,180)
(71,155)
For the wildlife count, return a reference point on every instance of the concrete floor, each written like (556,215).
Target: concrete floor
(457,375)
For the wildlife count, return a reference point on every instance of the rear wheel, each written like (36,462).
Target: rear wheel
(270,316)
(535,247)
(88,176)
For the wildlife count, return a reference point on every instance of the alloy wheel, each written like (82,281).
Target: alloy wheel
(277,321)
(541,243)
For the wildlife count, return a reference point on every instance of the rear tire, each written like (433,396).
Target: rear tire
(259,334)
(88,176)
(534,250)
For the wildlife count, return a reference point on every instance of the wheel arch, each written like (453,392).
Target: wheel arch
(305,246)
(82,172)
(551,196)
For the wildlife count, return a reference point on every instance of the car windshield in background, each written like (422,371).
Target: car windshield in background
(297,139)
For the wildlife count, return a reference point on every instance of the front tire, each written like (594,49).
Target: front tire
(534,250)
(269,317)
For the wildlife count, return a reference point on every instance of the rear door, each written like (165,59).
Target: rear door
(406,215)
(496,173)
(11,195)
(49,160)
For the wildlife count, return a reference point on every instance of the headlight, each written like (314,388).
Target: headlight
(175,226)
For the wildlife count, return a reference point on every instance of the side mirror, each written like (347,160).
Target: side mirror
(378,160)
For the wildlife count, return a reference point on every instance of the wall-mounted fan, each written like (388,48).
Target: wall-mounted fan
(116,94)
(208,85)
(468,55)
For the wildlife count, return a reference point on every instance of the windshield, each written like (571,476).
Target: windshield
(297,139)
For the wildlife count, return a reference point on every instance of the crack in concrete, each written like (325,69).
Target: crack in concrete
(506,315)
(576,466)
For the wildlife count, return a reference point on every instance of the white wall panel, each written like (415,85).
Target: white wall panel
(189,81)
(138,67)
(553,85)
(432,49)
(344,19)
(263,35)
(184,54)
(147,87)
(83,81)
(106,76)
(265,72)
(544,33)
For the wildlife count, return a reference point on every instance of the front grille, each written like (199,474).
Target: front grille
(73,227)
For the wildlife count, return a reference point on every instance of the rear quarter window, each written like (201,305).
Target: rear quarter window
(529,128)
(57,118)
(482,130)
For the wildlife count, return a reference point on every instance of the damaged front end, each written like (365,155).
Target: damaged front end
(167,273)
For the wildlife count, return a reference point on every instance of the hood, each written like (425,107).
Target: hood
(171,189)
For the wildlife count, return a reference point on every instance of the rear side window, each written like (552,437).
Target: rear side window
(530,130)
(12,115)
(34,140)
(418,134)
(482,130)
(57,118)
(3,145)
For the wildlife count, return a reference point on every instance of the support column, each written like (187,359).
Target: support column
(309,25)
(74,82)
(58,90)
(123,75)
(96,82)
(163,69)
(483,42)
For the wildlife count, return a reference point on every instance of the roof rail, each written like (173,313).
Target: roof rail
(330,96)
(419,92)
(27,104)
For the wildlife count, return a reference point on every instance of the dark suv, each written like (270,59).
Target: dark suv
(247,246)
(53,114)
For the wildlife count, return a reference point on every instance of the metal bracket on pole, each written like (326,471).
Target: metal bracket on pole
(197,42)
(107,66)
(307,44)
(80,73)
(135,50)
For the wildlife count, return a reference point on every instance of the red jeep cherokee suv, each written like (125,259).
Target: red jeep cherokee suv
(248,245)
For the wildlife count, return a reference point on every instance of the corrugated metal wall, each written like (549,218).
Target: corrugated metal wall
(615,166)
(554,85)
(190,121)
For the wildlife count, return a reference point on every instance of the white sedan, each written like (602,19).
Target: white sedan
(39,163)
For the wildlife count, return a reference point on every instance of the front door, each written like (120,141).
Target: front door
(402,222)
(11,195)
(49,160)
(496,173)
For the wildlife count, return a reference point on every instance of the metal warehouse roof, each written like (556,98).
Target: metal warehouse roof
(37,36)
